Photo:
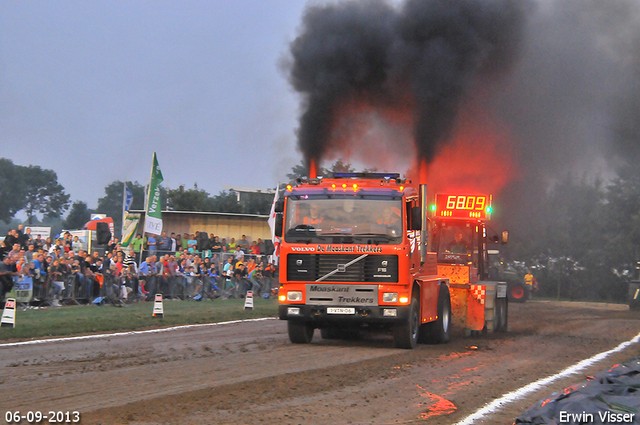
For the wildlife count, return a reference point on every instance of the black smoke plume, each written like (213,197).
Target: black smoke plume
(425,54)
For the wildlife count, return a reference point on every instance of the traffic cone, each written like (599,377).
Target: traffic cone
(248,301)
(9,313)
(158,310)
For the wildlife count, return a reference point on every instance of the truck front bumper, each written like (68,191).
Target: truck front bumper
(363,314)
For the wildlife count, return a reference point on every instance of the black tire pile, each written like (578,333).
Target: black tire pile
(614,392)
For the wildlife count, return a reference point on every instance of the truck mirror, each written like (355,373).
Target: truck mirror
(279,222)
(279,206)
(416,218)
(505,236)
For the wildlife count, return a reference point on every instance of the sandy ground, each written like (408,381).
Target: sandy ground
(249,373)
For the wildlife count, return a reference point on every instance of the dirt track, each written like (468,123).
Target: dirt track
(249,373)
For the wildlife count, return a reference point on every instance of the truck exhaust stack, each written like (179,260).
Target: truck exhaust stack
(423,211)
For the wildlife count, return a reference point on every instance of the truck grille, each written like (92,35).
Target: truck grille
(372,268)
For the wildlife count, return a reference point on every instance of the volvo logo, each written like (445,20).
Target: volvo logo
(298,262)
(384,263)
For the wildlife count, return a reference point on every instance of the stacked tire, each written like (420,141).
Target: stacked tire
(518,292)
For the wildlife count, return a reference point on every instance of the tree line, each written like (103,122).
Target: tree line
(581,237)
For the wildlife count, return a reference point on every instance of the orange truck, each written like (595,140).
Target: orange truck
(459,237)
(351,258)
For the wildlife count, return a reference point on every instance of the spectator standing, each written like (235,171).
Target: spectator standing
(56,276)
(244,244)
(38,242)
(68,243)
(216,245)
(56,254)
(164,244)
(7,271)
(162,270)
(136,246)
(231,246)
(262,247)
(11,238)
(228,274)
(147,272)
(47,244)
(77,245)
(251,265)
(239,254)
(254,248)
(152,245)
(130,260)
(29,253)
(24,238)
(192,244)
(173,243)
(185,242)
(113,244)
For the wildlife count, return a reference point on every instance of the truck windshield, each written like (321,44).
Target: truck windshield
(454,243)
(374,219)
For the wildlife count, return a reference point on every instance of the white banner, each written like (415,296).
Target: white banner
(153,225)
(44,232)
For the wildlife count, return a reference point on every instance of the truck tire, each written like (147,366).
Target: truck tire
(518,292)
(300,332)
(405,335)
(502,311)
(439,331)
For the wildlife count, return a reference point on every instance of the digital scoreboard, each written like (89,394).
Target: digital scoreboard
(463,206)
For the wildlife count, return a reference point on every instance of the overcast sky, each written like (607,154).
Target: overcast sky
(90,89)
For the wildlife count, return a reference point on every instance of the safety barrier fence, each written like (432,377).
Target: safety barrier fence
(78,289)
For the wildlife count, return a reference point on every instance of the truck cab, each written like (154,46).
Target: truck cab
(351,258)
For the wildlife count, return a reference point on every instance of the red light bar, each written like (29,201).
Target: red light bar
(463,206)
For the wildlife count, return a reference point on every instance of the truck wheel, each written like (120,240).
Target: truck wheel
(503,318)
(405,335)
(439,331)
(518,293)
(300,332)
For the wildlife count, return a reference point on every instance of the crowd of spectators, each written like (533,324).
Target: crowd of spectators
(177,266)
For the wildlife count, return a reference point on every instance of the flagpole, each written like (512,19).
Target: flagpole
(124,201)
(146,201)
(146,197)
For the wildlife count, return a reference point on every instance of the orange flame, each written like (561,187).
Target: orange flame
(478,156)
(312,169)
(423,171)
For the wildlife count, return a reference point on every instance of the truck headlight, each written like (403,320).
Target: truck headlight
(390,297)
(294,296)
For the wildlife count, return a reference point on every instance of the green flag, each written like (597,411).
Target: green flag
(153,220)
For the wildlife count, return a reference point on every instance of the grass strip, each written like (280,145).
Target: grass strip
(87,319)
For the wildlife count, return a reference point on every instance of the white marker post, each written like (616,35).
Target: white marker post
(9,313)
(158,310)
(248,302)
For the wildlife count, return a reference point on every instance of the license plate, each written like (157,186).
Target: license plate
(341,310)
